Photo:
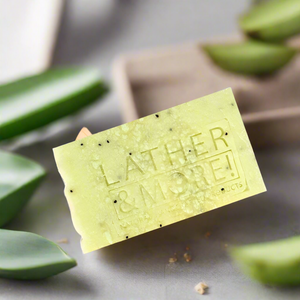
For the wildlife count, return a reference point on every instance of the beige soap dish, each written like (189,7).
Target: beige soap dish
(158,79)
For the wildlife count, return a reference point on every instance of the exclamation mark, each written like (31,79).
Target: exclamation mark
(229,165)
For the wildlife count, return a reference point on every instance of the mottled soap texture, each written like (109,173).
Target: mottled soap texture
(158,170)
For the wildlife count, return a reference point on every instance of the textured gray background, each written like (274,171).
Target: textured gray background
(93,33)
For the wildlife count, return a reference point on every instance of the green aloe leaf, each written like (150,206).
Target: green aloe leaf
(250,57)
(19,177)
(272,21)
(28,256)
(275,263)
(35,101)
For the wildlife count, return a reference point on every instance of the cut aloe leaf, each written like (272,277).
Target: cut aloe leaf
(35,101)
(28,256)
(19,177)
(274,263)
(272,21)
(250,57)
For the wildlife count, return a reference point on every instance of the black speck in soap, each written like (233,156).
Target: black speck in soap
(107,141)
(226,133)
(127,237)
(190,150)
(81,144)
(99,144)
(160,225)
(222,189)
(130,153)
(115,201)
(71,191)
(157,116)
(171,129)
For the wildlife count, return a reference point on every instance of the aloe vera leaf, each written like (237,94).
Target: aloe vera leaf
(28,256)
(19,178)
(272,21)
(35,101)
(250,57)
(274,263)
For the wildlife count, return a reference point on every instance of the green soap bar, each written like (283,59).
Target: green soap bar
(275,263)
(158,170)
(35,101)
(19,177)
(272,21)
(28,256)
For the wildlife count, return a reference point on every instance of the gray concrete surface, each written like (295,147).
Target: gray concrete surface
(93,33)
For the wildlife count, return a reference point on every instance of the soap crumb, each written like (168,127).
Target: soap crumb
(207,234)
(63,241)
(201,288)
(173,259)
(187,257)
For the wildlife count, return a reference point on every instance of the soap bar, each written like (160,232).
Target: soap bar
(158,170)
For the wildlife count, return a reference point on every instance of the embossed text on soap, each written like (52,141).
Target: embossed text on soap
(168,155)
(193,168)
(192,182)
